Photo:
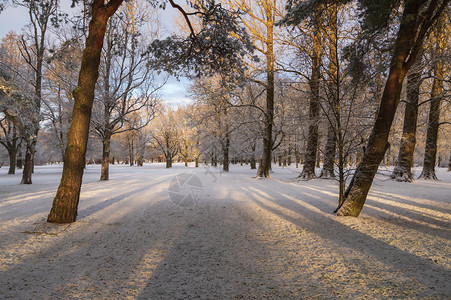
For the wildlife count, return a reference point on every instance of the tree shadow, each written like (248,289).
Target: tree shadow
(217,257)
(411,202)
(83,213)
(430,278)
(96,258)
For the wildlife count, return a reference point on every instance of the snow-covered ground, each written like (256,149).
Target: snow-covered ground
(151,233)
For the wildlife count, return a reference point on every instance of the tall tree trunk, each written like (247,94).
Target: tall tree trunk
(404,162)
(333,96)
(106,143)
(308,171)
(265,165)
(411,34)
(430,152)
(65,203)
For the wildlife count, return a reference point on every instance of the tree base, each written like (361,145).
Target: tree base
(402,176)
(307,175)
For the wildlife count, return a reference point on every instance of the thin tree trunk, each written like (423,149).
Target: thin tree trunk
(65,203)
(131,151)
(404,162)
(329,155)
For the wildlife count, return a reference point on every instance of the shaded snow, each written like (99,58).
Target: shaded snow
(244,238)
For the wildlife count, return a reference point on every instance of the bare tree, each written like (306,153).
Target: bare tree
(166,134)
(126,84)
(33,45)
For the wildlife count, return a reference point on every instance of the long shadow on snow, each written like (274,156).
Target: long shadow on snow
(208,262)
(108,202)
(343,236)
(326,206)
(93,260)
(411,202)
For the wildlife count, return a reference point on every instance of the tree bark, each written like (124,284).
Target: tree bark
(412,31)
(333,97)
(65,203)
(168,162)
(28,165)
(131,151)
(139,160)
(265,165)
(430,152)
(20,160)
(225,153)
(12,160)
(106,143)
(308,171)
(404,162)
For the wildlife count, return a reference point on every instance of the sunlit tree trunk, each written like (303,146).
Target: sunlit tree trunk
(430,152)
(308,171)
(65,203)
(265,165)
(404,162)
(332,95)
(413,29)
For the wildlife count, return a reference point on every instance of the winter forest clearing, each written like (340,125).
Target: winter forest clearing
(242,238)
(225,149)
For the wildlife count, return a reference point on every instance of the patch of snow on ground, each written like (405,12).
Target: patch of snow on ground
(236,237)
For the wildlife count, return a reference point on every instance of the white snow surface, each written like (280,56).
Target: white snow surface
(243,238)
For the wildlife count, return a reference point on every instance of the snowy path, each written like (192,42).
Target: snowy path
(244,238)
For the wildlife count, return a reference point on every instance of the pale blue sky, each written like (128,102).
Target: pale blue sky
(174,93)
